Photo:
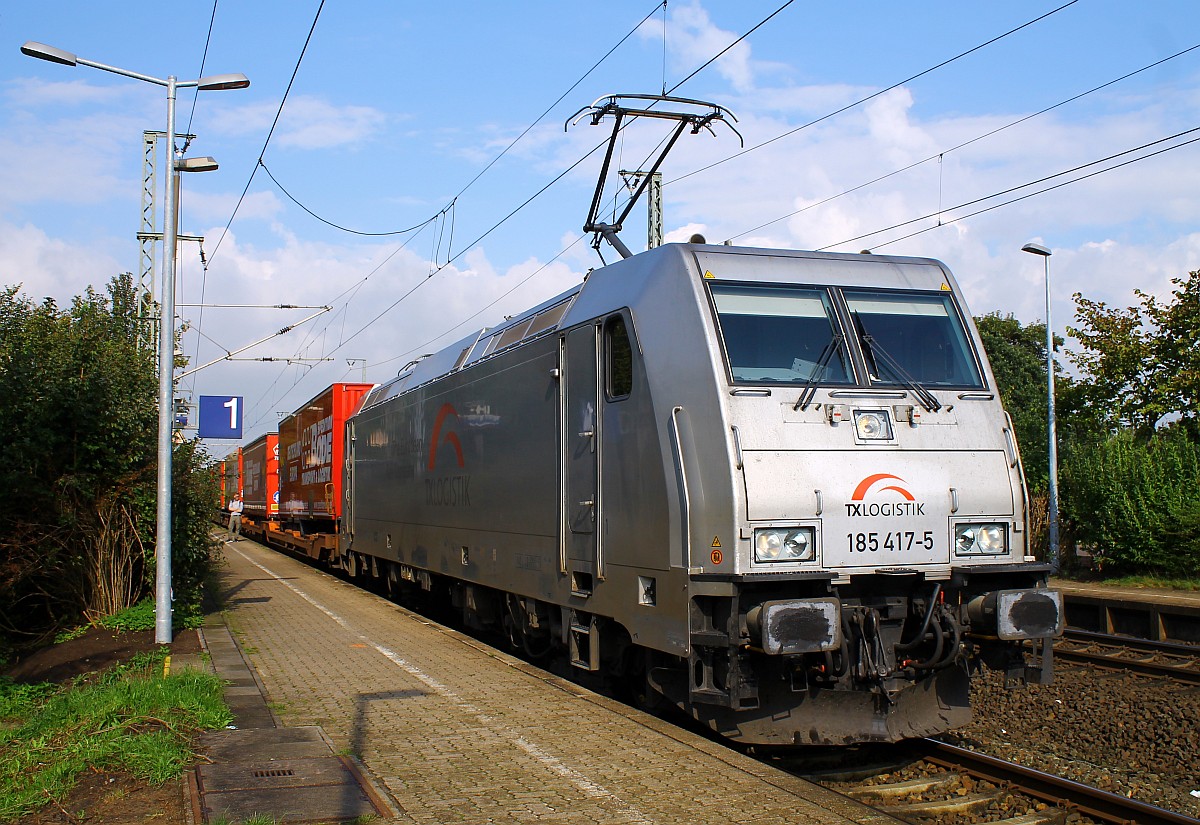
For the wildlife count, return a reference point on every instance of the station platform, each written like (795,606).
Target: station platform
(436,727)
(1143,612)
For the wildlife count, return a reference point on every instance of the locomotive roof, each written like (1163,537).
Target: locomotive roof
(749,263)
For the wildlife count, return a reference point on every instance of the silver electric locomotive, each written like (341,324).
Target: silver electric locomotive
(776,489)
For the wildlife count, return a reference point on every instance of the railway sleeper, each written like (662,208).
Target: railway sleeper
(1049,816)
(961,805)
(907,787)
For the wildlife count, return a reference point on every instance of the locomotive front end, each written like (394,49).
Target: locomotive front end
(880,506)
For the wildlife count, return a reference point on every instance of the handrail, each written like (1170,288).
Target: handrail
(681,471)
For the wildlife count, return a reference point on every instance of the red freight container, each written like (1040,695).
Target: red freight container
(260,477)
(231,476)
(311,443)
(218,470)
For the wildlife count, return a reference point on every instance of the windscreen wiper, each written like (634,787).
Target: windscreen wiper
(876,355)
(810,386)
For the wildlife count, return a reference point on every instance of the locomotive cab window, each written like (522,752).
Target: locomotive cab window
(913,336)
(780,334)
(618,355)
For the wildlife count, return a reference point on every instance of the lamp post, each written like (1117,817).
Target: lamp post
(1044,252)
(166,327)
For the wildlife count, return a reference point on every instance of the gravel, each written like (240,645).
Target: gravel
(1134,736)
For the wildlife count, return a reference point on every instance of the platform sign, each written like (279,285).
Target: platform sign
(220,416)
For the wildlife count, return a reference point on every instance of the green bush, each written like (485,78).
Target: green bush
(78,464)
(1137,502)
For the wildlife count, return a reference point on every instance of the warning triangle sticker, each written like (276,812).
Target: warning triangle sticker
(716,541)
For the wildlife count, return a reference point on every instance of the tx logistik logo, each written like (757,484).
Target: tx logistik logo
(857,507)
(446,491)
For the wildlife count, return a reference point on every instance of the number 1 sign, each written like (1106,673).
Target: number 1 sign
(220,416)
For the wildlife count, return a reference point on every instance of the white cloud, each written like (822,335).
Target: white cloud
(207,206)
(362,284)
(306,122)
(35,93)
(692,39)
(47,267)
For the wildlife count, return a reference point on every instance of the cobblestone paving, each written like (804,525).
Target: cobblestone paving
(455,731)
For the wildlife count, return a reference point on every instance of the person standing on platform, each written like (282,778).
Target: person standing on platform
(235,518)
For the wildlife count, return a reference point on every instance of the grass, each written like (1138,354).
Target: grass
(129,718)
(140,616)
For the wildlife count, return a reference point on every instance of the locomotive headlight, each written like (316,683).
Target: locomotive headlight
(980,539)
(873,425)
(965,540)
(783,544)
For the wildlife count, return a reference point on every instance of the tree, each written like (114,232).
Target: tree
(1018,358)
(1140,364)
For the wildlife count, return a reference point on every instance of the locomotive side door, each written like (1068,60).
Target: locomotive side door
(579,420)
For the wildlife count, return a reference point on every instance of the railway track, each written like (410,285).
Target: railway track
(930,781)
(1170,660)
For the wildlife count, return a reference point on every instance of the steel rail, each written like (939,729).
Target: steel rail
(1133,642)
(1092,802)
(1183,671)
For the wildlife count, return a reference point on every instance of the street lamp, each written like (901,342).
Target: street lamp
(166,327)
(1044,252)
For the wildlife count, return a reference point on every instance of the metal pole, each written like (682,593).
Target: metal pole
(166,391)
(1053,559)
(166,325)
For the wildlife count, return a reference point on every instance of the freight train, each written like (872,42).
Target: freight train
(774,489)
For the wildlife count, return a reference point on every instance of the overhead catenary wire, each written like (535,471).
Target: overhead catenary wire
(270,132)
(341,228)
(449,207)
(451,257)
(873,95)
(490,163)
(723,51)
(479,238)
(488,306)
(228,354)
(966,143)
(343,342)
(848,106)
(1012,189)
(196,92)
(697,71)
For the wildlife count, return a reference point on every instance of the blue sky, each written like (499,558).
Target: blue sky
(397,107)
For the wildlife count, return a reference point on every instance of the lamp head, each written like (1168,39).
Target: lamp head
(44,52)
(205,164)
(1036,249)
(218,82)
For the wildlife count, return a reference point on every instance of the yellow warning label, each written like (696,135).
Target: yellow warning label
(716,542)
(945,287)
(708,274)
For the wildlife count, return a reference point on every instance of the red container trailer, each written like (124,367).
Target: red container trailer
(311,444)
(230,468)
(260,480)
